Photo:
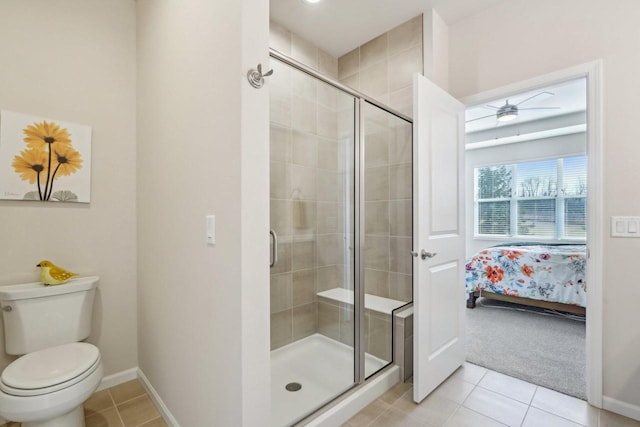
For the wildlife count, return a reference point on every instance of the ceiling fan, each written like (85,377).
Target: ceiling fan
(509,112)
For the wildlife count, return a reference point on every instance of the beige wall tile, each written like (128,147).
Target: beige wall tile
(303,86)
(347,324)
(279,178)
(401,287)
(400,146)
(353,81)
(400,181)
(304,287)
(329,277)
(304,51)
(279,38)
(402,66)
(330,249)
(379,337)
(327,96)
(327,122)
(373,80)
(304,149)
(374,51)
(280,216)
(329,187)
(305,321)
(328,218)
(304,114)
(327,154)
(376,151)
(280,143)
(303,183)
(284,258)
(303,217)
(376,184)
(281,291)
(400,259)
(376,252)
(406,35)
(329,320)
(327,64)
(137,411)
(280,105)
(376,218)
(401,217)
(303,255)
(376,282)
(349,64)
(281,329)
(402,101)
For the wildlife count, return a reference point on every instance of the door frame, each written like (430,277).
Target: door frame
(595,216)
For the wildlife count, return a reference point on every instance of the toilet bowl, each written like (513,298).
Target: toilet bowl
(56,373)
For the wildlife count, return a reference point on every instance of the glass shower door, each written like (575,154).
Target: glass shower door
(312,223)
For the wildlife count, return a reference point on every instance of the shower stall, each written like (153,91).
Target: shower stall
(341,237)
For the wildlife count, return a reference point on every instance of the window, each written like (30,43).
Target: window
(543,199)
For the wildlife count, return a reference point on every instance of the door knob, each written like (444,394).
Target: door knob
(424,254)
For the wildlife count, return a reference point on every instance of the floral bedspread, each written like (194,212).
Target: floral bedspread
(542,272)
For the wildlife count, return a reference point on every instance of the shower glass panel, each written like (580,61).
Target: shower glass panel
(387,261)
(312,146)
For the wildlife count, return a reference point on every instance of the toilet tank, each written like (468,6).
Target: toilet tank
(37,316)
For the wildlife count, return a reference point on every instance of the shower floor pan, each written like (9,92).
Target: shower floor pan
(324,369)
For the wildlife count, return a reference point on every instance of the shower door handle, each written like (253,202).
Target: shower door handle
(274,249)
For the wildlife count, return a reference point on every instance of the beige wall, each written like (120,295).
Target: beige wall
(74,60)
(203,310)
(518,40)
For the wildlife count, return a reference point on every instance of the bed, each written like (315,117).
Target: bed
(549,276)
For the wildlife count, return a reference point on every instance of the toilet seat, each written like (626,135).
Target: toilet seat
(49,370)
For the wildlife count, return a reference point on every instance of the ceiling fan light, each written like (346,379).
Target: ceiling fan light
(507,116)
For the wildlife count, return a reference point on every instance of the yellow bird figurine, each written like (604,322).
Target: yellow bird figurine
(51,274)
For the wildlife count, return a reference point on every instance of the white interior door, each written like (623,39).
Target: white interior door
(438,227)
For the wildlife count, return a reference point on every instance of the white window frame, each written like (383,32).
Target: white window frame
(559,228)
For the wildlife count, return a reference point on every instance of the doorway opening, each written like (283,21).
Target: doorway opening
(526,247)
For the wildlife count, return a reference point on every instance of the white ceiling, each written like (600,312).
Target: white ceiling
(569,96)
(339,26)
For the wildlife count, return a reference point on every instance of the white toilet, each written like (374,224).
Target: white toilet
(47,386)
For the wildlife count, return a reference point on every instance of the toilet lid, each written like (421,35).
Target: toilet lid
(50,366)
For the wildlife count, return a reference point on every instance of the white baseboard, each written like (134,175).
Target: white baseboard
(622,408)
(118,378)
(164,411)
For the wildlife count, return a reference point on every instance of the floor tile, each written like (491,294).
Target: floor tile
(537,418)
(454,389)
(433,410)
(464,417)
(107,418)
(568,407)
(609,419)
(470,373)
(496,406)
(395,392)
(137,411)
(99,401)
(369,413)
(125,391)
(508,386)
(395,418)
(158,422)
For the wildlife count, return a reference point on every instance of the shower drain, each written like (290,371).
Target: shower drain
(293,386)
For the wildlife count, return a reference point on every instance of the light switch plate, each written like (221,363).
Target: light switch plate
(625,226)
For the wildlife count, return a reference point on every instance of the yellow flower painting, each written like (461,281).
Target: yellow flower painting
(43,159)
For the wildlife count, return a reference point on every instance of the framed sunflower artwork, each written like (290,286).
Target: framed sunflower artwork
(44,159)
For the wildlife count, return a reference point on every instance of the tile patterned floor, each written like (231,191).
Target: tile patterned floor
(125,405)
(477,397)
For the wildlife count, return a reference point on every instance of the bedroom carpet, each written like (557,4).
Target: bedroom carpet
(529,343)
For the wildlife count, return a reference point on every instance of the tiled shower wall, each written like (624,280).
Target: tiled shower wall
(307,188)
(383,67)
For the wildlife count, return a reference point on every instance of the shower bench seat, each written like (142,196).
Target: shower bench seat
(371,302)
